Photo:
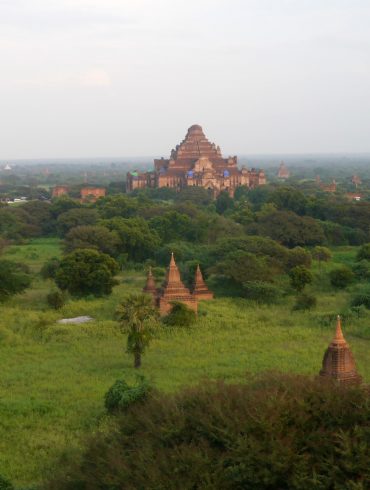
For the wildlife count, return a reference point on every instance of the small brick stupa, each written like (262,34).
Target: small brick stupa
(201,291)
(283,172)
(338,362)
(173,289)
(150,287)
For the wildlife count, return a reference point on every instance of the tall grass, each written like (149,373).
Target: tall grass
(54,377)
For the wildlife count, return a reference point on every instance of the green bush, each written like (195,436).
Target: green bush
(262,292)
(362,298)
(299,277)
(49,269)
(364,252)
(305,302)
(267,434)
(121,395)
(362,269)
(179,316)
(342,277)
(5,484)
(56,299)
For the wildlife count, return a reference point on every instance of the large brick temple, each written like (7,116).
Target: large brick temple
(197,162)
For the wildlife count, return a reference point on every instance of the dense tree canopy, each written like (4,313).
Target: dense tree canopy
(13,279)
(85,272)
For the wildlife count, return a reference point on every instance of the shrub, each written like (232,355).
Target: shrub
(362,298)
(50,268)
(267,434)
(14,279)
(84,272)
(362,269)
(342,277)
(299,277)
(299,256)
(55,299)
(5,484)
(179,316)
(305,302)
(121,395)
(262,292)
(364,252)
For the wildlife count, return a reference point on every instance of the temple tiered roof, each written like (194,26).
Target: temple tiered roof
(338,362)
(174,289)
(201,290)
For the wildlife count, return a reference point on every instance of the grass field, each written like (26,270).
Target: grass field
(54,377)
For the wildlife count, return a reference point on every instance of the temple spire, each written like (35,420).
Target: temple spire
(339,338)
(201,290)
(174,289)
(338,362)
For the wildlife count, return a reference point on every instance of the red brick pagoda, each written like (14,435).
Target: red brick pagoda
(201,291)
(173,289)
(283,172)
(338,362)
(197,162)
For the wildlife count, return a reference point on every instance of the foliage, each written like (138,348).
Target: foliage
(179,316)
(364,252)
(262,292)
(55,299)
(299,256)
(94,237)
(265,434)
(49,269)
(121,395)
(76,217)
(300,276)
(242,267)
(137,316)
(135,237)
(85,272)
(13,279)
(321,254)
(224,202)
(305,301)
(5,484)
(362,269)
(341,277)
(362,298)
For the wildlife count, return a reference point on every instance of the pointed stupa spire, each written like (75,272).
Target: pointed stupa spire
(174,289)
(339,338)
(201,290)
(338,362)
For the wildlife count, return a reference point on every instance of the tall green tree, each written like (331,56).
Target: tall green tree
(84,272)
(300,276)
(137,317)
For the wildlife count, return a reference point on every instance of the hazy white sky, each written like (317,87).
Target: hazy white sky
(128,77)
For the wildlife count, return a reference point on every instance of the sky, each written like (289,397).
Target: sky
(94,78)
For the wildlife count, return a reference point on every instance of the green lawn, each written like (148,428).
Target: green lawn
(54,377)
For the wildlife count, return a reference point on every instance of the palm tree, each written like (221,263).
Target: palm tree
(137,317)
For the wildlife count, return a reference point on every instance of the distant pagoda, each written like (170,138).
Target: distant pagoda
(356,181)
(338,362)
(150,287)
(283,172)
(201,291)
(173,289)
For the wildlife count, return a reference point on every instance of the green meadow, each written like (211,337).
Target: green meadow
(54,377)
